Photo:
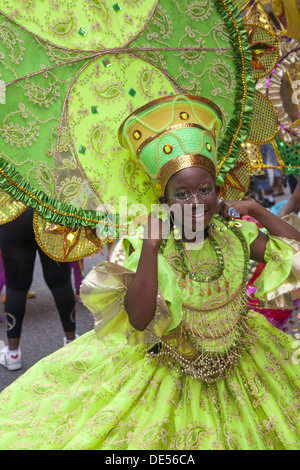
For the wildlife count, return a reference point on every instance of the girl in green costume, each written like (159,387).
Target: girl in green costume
(177,361)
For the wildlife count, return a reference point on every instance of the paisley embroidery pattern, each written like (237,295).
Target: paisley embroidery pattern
(161,409)
(95,62)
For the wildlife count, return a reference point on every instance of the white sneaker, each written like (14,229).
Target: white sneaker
(11,361)
(67,341)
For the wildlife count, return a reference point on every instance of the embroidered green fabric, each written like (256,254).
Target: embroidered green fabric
(73,75)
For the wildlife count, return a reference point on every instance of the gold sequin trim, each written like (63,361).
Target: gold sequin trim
(244,85)
(52,209)
(179,163)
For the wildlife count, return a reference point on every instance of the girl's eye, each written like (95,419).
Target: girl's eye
(182,195)
(205,190)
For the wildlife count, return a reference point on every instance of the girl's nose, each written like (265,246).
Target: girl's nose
(196,199)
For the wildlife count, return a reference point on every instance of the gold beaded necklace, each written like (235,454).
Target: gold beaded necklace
(179,246)
(191,274)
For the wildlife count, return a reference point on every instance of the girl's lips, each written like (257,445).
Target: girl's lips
(198,215)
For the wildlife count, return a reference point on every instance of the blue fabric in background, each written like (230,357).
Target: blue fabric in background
(277,208)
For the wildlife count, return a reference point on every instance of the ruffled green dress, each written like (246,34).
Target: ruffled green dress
(206,374)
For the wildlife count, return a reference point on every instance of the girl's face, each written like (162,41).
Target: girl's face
(196,194)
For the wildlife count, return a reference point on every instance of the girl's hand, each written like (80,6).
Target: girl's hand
(243,208)
(155,230)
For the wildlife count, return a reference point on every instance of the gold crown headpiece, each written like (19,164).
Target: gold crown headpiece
(172,133)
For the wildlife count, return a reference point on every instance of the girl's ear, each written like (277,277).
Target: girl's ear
(218,187)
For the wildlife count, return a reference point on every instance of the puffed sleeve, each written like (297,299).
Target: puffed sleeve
(279,283)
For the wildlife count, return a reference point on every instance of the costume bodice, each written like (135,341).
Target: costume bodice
(212,280)
(213,272)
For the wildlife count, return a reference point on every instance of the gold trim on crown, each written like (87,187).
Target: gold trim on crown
(179,163)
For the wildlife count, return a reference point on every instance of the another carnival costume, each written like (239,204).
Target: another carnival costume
(207,373)
(280,86)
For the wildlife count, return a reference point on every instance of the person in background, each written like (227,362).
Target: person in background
(266,191)
(18,251)
(292,205)
(77,268)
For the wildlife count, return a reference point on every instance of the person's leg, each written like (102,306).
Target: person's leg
(265,179)
(58,278)
(77,267)
(18,255)
(292,182)
(277,181)
(263,186)
(2,275)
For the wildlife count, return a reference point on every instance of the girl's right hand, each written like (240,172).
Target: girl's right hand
(155,230)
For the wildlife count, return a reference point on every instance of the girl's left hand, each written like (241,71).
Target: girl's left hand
(242,208)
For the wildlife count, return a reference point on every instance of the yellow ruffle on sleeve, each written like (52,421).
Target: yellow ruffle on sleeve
(279,284)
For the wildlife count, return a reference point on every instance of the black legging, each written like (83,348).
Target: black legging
(18,250)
